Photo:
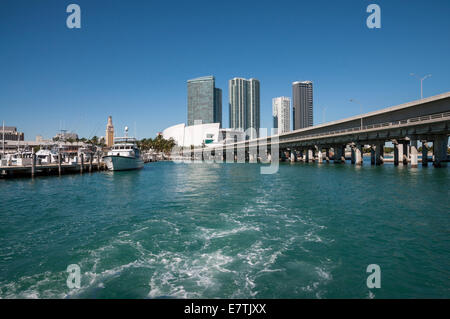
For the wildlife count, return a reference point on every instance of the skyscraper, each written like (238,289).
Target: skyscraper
(302,104)
(109,132)
(204,101)
(218,106)
(244,105)
(281,109)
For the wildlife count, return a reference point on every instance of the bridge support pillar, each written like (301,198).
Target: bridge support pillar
(319,156)
(398,153)
(293,156)
(310,155)
(379,153)
(358,150)
(339,154)
(303,155)
(253,154)
(353,156)
(372,155)
(414,154)
(405,152)
(424,153)
(282,156)
(440,150)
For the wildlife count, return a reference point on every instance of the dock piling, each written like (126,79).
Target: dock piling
(59,164)
(33,164)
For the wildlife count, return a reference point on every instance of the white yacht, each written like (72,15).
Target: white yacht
(124,154)
(47,156)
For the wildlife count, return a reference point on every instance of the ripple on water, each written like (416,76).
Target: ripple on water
(225,231)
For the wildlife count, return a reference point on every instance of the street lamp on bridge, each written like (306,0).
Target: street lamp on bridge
(421,82)
(323,114)
(360,109)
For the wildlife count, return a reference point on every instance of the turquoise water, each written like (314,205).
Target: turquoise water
(225,230)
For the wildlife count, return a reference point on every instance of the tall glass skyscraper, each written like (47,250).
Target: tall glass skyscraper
(244,105)
(218,106)
(302,104)
(204,101)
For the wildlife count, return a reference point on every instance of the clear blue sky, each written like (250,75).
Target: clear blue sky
(131,59)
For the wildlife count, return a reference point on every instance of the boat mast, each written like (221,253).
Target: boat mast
(3,139)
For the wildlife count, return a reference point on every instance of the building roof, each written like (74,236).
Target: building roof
(8,129)
(203,78)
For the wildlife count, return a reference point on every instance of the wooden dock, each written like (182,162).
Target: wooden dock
(50,169)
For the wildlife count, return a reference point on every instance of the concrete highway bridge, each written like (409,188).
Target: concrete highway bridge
(426,120)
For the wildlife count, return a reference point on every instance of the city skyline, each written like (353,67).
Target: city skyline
(52,74)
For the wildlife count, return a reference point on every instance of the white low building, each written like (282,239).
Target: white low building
(201,134)
(197,135)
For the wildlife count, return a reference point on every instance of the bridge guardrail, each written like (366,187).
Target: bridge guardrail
(359,128)
(371,126)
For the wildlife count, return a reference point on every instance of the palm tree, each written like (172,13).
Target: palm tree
(94,140)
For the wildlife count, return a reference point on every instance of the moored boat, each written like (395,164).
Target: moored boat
(124,154)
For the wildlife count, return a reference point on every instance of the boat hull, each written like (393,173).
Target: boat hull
(122,163)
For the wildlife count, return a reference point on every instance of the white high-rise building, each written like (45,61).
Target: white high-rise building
(281,110)
(244,105)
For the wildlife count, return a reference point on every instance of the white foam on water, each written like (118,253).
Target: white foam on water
(197,271)
(224,233)
(324,274)
(312,237)
(34,287)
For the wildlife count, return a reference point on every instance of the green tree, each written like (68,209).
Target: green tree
(159,144)
(94,140)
